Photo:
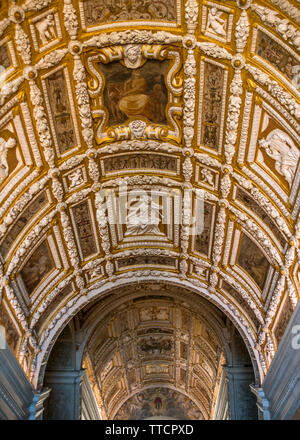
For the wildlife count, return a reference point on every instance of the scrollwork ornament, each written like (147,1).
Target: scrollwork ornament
(36,5)
(219,236)
(70,19)
(283,26)
(183,267)
(275,300)
(8,88)
(233,116)
(69,239)
(51,59)
(16,14)
(287,7)
(23,44)
(214,50)
(132,37)
(242,32)
(83,102)
(236,285)
(110,268)
(191,14)
(42,123)
(187,169)
(189,98)
(292,293)
(102,221)
(13,301)
(285,98)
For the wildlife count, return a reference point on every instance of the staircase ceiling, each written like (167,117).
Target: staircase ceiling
(179,106)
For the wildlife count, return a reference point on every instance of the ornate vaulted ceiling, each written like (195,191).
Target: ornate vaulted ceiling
(104,104)
(149,339)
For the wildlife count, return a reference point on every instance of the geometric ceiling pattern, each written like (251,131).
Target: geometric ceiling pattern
(160,344)
(149,143)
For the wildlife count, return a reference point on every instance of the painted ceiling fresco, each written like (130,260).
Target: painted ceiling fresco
(124,126)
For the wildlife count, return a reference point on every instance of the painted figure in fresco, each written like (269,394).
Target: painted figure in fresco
(4,146)
(133,92)
(4,58)
(280,147)
(58,100)
(210,136)
(38,265)
(158,403)
(114,95)
(256,267)
(215,23)
(212,104)
(35,271)
(61,111)
(135,101)
(158,102)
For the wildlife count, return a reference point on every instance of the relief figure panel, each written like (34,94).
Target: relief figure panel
(9,155)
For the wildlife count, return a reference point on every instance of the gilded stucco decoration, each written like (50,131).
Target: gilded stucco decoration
(181,105)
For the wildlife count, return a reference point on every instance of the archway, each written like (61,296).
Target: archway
(145,345)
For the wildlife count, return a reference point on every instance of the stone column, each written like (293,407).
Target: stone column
(281,386)
(16,392)
(64,402)
(242,405)
(89,406)
(37,406)
(262,403)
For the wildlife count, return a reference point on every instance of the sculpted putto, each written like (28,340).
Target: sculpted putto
(280,147)
(215,23)
(46,29)
(4,146)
